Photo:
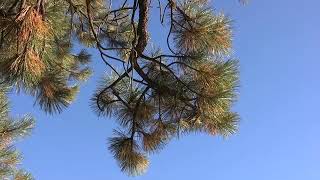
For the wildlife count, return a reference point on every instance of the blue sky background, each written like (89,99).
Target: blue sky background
(278,44)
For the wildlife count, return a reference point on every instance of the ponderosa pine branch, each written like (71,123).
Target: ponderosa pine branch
(187,86)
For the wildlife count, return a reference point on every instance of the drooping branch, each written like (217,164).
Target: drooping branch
(154,95)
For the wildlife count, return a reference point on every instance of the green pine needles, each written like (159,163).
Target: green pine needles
(11,130)
(188,85)
(36,53)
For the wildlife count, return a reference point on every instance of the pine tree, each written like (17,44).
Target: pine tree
(10,131)
(155,94)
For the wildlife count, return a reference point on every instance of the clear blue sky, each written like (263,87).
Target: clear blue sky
(278,44)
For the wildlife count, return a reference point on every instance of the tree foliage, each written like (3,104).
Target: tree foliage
(155,94)
(10,131)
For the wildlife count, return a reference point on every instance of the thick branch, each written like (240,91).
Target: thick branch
(142,31)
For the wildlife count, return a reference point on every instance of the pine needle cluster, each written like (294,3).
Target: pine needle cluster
(36,52)
(11,130)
